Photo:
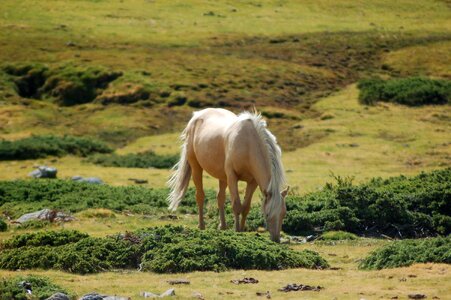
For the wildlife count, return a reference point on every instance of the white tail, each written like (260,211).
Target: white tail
(179,180)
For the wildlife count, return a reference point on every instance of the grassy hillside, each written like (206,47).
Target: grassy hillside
(130,73)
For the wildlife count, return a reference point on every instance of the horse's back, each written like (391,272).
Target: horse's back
(207,148)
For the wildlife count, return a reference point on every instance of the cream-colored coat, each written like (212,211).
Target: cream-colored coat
(231,148)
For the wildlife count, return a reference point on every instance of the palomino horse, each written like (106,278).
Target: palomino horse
(231,148)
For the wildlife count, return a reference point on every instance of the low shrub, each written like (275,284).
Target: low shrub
(399,206)
(22,196)
(3,225)
(35,224)
(148,159)
(42,146)
(177,249)
(42,288)
(407,252)
(413,91)
(166,249)
(43,238)
(67,85)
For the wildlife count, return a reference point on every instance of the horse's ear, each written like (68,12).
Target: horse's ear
(285,192)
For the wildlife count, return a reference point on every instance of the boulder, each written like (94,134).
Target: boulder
(45,215)
(44,172)
(93,180)
(58,296)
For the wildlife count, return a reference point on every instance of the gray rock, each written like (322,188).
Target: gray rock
(58,296)
(168,293)
(95,296)
(44,172)
(92,296)
(46,215)
(93,180)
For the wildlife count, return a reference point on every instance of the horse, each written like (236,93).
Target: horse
(231,148)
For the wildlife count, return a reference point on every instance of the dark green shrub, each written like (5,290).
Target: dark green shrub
(413,91)
(43,146)
(34,224)
(3,225)
(160,249)
(44,238)
(146,159)
(11,288)
(67,85)
(22,196)
(407,252)
(211,250)
(399,206)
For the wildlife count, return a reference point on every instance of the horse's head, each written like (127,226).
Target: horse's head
(274,209)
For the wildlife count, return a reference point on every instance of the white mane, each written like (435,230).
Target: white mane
(277,181)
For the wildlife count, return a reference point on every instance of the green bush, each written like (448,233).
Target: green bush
(67,85)
(146,159)
(177,249)
(46,145)
(413,91)
(3,225)
(44,238)
(34,224)
(407,252)
(166,249)
(22,196)
(42,288)
(399,206)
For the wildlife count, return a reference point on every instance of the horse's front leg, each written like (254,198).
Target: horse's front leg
(232,182)
(250,189)
(221,204)
(200,195)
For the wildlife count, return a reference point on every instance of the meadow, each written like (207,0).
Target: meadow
(125,76)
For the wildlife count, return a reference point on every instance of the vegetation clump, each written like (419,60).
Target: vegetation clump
(42,288)
(168,249)
(407,252)
(68,84)
(148,159)
(412,91)
(46,145)
(3,225)
(399,206)
(22,196)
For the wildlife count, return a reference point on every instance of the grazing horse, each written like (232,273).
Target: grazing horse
(231,148)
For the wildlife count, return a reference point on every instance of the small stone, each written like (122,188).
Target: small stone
(170,292)
(58,296)
(92,296)
(198,295)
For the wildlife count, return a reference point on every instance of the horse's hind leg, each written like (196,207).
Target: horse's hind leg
(232,182)
(200,195)
(250,189)
(221,203)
